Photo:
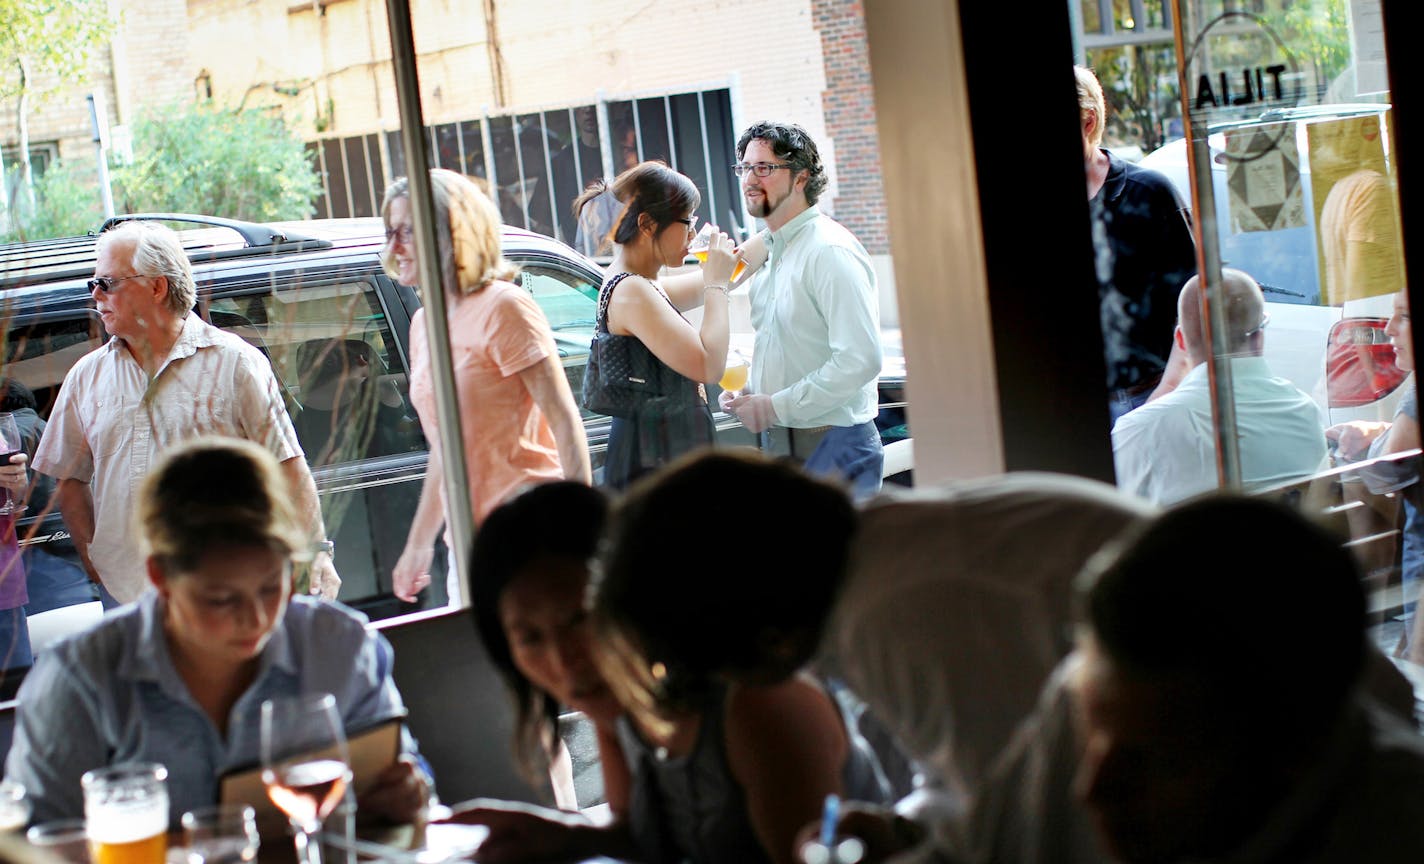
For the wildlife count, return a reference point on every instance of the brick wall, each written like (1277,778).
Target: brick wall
(850,121)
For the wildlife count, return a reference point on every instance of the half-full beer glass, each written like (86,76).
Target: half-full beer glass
(126,813)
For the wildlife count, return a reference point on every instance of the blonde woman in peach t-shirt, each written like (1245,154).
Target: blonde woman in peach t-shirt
(519,419)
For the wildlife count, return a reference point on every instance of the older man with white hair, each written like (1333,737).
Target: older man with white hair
(164,376)
(1165,451)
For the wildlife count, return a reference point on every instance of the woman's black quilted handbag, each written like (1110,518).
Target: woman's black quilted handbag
(622,374)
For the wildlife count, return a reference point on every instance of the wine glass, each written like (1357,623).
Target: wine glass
(305,764)
(9,446)
(225,834)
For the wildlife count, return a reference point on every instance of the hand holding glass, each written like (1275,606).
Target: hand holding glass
(702,244)
(9,446)
(304,763)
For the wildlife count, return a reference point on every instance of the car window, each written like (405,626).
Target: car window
(39,354)
(570,303)
(332,350)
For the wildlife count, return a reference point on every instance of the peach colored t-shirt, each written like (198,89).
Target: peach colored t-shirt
(495,334)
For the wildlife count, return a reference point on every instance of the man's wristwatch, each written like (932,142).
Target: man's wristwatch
(326,546)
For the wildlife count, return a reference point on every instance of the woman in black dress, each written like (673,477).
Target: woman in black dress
(652,233)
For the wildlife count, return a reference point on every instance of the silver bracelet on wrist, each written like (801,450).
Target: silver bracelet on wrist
(725,289)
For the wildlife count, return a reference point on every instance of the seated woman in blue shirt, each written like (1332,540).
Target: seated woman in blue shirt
(179,677)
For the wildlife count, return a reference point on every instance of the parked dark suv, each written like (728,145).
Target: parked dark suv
(313,297)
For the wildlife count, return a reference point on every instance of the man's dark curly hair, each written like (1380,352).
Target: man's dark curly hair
(790,143)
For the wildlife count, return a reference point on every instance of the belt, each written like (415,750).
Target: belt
(805,441)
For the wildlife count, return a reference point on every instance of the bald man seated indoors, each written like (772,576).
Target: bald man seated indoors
(1165,451)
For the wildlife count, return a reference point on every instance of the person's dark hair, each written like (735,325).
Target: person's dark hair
(1262,605)
(791,144)
(560,520)
(15,396)
(674,613)
(648,187)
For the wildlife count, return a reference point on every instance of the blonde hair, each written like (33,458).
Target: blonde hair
(1091,102)
(468,231)
(210,493)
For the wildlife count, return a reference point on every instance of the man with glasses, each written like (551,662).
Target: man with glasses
(1166,450)
(816,315)
(164,376)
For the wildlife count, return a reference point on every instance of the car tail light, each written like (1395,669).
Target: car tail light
(1359,363)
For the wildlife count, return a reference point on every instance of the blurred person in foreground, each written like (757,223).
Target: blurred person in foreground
(702,767)
(817,318)
(955,610)
(518,416)
(1362,439)
(180,676)
(642,307)
(1142,238)
(164,376)
(1215,709)
(1165,451)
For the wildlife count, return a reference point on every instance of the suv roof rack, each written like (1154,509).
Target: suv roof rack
(252,233)
(47,260)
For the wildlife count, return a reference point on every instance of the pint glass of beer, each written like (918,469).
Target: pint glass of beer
(126,813)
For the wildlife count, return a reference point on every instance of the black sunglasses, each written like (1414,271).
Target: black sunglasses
(106,283)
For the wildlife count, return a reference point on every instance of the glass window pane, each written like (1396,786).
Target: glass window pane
(653,127)
(536,146)
(473,146)
(446,139)
(358,177)
(509,190)
(1092,20)
(338,194)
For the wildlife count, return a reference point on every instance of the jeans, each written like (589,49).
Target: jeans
(14,639)
(852,454)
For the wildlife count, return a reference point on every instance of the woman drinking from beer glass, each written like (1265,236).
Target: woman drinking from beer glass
(518,416)
(179,677)
(650,235)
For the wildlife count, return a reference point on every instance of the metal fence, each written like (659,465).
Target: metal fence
(536,163)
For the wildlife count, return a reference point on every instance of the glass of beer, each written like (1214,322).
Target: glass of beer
(126,813)
(703,242)
(735,378)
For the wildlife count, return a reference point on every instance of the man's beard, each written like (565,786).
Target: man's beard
(767,205)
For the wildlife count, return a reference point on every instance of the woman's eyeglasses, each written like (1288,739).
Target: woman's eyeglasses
(405,234)
(690,222)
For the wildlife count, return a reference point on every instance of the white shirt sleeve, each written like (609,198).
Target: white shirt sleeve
(844,291)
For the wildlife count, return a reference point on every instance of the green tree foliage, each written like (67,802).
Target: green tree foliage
(1318,32)
(1140,86)
(66,205)
(45,41)
(218,162)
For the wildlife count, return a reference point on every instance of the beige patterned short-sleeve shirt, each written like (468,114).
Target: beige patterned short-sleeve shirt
(110,422)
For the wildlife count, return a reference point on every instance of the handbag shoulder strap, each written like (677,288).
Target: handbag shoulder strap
(604,295)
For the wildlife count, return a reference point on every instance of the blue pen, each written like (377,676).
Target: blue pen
(830,816)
